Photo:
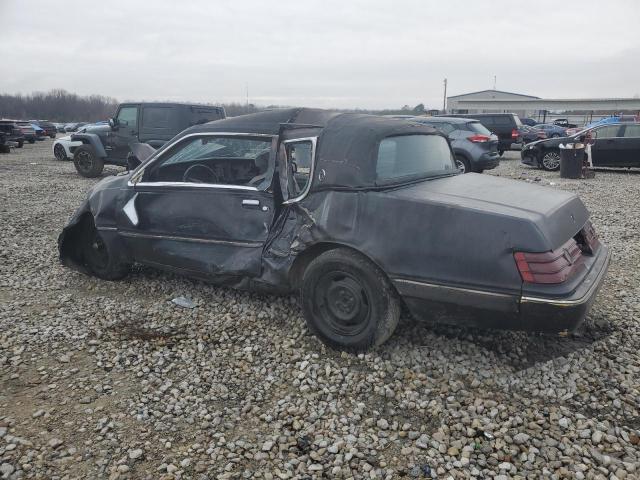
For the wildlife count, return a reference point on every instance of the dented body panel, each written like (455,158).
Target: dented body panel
(446,243)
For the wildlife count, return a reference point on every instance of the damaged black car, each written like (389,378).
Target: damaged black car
(360,214)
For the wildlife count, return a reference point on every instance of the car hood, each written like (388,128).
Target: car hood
(554,215)
(552,142)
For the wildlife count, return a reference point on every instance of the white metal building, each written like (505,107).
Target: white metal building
(496,101)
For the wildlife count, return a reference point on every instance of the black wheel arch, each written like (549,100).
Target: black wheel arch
(303,259)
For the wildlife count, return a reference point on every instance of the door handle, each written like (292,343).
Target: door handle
(250,203)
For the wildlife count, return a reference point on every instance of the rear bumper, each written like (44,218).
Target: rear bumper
(566,313)
(509,311)
(487,161)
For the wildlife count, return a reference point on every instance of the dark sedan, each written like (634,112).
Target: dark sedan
(360,214)
(610,145)
(552,131)
(527,134)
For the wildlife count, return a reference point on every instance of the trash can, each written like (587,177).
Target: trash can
(571,160)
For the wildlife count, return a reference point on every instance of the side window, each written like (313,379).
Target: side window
(632,131)
(299,166)
(156,117)
(609,131)
(128,117)
(503,121)
(445,128)
(209,159)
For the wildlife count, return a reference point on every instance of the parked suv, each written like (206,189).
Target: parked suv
(151,123)
(474,146)
(504,125)
(12,132)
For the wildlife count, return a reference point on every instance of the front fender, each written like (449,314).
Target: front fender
(98,209)
(91,139)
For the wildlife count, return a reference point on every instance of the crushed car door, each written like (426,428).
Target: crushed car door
(204,206)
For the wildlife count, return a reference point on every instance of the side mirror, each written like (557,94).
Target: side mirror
(112,123)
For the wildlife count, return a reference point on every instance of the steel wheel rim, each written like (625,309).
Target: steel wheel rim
(551,160)
(59,152)
(461,166)
(85,160)
(98,255)
(343,303)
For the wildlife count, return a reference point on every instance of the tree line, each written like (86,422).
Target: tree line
(57,106)
(61,106)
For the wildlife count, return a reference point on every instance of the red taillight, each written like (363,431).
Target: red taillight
(549,267)
(514,133)
(478,138)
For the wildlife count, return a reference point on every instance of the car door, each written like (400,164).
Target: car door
(605,145)
(124,132)
(204,206)
(629,146)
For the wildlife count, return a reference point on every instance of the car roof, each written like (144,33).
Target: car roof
(445,119)
(347,143)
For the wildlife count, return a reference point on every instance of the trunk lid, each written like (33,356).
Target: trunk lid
(557,215)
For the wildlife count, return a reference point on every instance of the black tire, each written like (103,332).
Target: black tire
(52,136)
(98,260)
(5,149)
(87,163)
(550,160)
(20,144)
(348,302)
(555,135)
(463,164)
(500,152)
(59,152)
(32,141)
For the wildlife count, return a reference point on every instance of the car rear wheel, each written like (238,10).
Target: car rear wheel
(21,144)
(87,163)
(32,141)
(555,135)
(462,164)
(348,302)
(98,260)
(59,153)
(500,152)
(551,160)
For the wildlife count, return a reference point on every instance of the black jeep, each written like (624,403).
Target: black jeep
(151,123)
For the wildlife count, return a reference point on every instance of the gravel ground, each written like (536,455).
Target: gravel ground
(112,380)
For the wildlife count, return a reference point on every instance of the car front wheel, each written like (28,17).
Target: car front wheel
(87,163)
(348,302)
(551,160)
(98,259)
(59,153)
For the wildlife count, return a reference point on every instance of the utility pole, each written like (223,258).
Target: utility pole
(444,100)
(494,82)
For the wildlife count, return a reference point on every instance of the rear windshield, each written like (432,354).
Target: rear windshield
(477,127)
(409,157)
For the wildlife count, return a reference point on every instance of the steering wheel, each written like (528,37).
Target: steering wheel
(199,173)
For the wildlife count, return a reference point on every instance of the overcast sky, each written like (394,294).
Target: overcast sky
(323,53)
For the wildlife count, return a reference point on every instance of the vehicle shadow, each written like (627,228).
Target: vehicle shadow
(521,350)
